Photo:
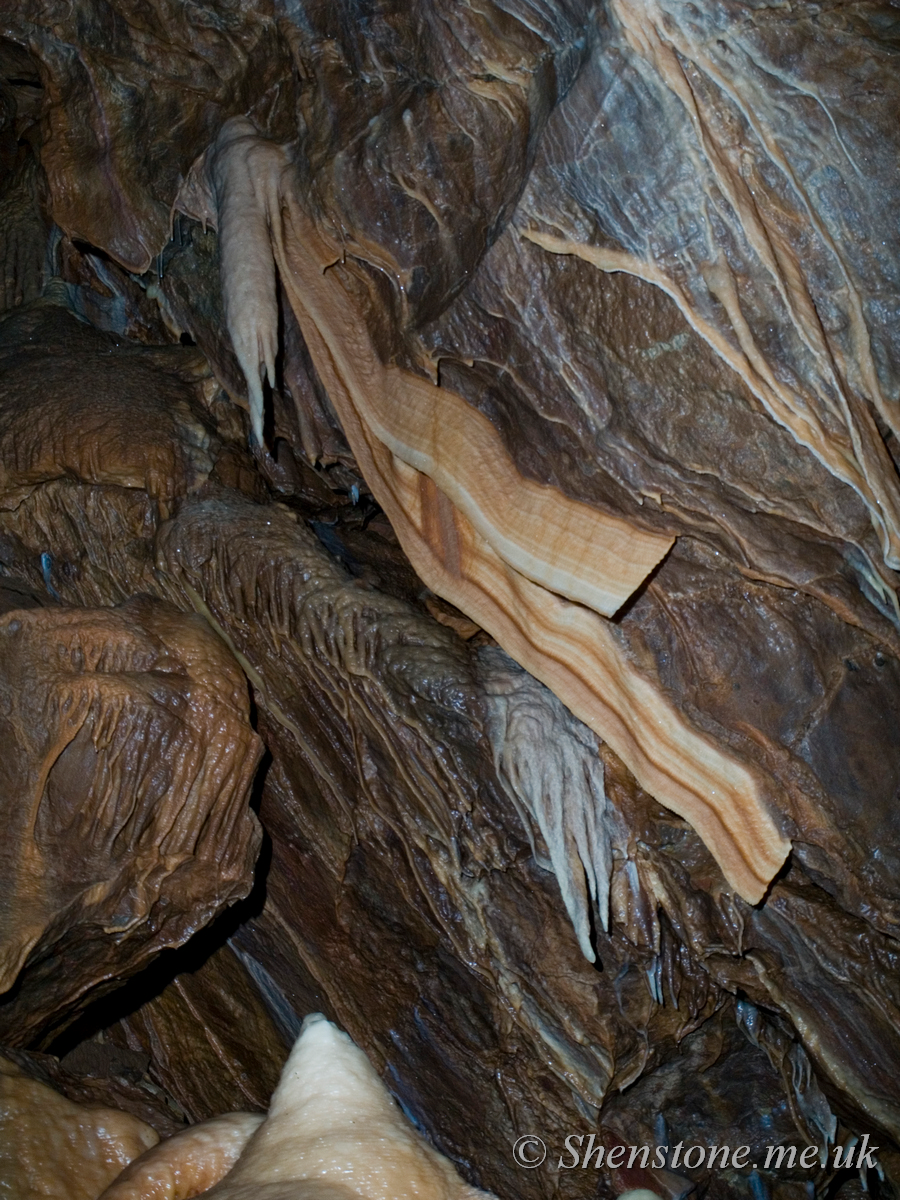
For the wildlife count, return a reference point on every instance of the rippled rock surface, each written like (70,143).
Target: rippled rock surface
(651,248)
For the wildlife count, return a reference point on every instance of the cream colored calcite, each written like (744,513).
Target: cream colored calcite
(187,1164)
(52,1149)
(550,765)
(333,1131)
(567,646)
(534,568)
(243,200)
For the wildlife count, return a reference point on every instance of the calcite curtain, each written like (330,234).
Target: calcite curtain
(450,531)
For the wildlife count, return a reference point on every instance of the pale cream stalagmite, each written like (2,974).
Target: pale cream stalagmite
(188,1163)
(333,1131)
(501,548)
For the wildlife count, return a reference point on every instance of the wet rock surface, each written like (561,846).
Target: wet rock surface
(652,245)
(51,1146)
(129,758)
(67,410)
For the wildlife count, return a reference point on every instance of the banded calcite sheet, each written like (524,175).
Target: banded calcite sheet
(650,248)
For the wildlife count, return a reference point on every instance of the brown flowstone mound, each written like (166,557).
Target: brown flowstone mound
(128,762)
(78,404)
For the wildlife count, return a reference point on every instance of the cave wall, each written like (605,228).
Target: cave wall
(653,246)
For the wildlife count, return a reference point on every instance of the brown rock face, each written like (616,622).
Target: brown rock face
(568,333)
(127,766)
(141,429)
(101,1074)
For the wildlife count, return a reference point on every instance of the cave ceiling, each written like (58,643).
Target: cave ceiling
(449,551)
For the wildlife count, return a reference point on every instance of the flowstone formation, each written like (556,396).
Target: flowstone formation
(52,1147)
(492,412)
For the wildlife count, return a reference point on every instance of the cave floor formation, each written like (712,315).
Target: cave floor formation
(449,545)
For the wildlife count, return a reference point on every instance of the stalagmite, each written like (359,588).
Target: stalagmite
(333,1130)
